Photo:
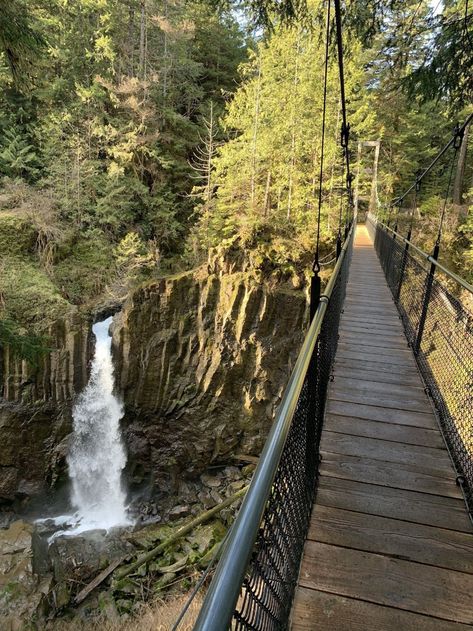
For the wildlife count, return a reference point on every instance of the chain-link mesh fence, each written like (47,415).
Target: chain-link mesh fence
(269,586)
(439,329)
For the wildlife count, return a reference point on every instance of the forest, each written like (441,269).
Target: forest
(168,168)
(134,137)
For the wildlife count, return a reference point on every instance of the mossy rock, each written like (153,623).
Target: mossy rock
(30,295)
(17,234)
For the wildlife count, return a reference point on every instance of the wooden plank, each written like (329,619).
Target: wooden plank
(400,476)
(396,402)
(384,431)
(414,390)
(405,354)
(421,508)
(401,539)
(353,371)
(359,334)
(390,332)
(321,611)
(382,415)
(359,367)
(431,459)
(388,581)
(393,360)
(371,339)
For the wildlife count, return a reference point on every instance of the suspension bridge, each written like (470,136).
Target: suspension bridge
(359,516)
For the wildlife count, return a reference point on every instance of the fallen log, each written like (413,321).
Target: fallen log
(82,595)
(151,554)
(184,530)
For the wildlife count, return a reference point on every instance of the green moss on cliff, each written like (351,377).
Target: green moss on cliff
(29,295)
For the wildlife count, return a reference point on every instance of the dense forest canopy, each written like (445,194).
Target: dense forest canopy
(136,135)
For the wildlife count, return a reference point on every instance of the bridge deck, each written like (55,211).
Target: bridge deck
(390,545)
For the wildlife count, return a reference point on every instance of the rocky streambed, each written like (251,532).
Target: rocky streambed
(43,571)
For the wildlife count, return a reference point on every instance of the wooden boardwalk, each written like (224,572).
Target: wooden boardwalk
(390,545)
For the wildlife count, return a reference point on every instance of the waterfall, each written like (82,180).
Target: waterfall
(97,455)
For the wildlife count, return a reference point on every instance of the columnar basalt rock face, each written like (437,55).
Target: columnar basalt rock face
(58,375)
(202,360)
(35,409)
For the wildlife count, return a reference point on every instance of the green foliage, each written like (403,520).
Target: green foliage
(266,175)
(28,346)
(83,274)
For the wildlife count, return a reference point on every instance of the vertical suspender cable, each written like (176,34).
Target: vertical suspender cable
(345,132)
(315,280)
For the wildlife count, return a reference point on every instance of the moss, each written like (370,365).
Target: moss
(17,235)
(83,275)
(31,297)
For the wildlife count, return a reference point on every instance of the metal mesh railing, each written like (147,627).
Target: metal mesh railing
(271,557)
(269,585)
(439,329)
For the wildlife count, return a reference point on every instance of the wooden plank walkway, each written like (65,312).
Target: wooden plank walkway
(390,545)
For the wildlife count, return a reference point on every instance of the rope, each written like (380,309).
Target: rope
(316,265)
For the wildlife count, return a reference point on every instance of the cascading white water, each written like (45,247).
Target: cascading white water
(97,455)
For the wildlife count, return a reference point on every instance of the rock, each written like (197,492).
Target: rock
(206,500)
(221,346)
(21,593)
(76,560)
(248,470)
(232,473)
(210,480)
(107,606)
(179,512)
(216,496)
(237,485)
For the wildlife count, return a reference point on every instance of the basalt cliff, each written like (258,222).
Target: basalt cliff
(201,360)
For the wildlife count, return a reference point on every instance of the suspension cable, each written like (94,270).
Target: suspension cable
(345,132)
(316,265)
(456,145)
(459,131)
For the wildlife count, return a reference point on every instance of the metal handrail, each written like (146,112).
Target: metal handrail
(219,604)
(461,281)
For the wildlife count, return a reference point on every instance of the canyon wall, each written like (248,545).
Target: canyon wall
(201,360)
(35,409)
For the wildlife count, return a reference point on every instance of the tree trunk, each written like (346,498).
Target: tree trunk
(255,136)
(131,43)
(460,172)
(267,199)
(142,38)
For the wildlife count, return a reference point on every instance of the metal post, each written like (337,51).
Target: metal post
(403,265)
(426,300)
(339,244)
(314,295)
